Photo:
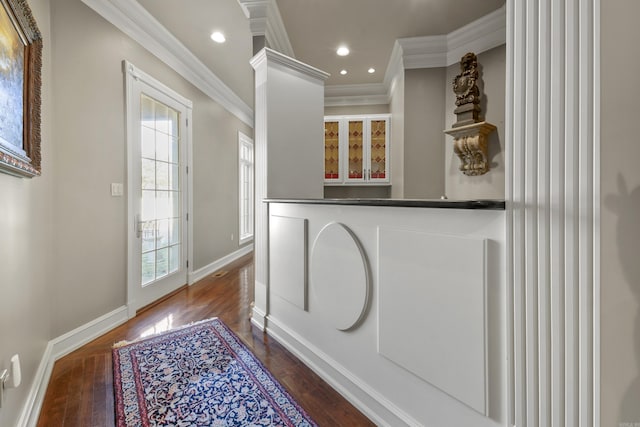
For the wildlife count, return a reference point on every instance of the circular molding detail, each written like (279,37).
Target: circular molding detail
(340,276)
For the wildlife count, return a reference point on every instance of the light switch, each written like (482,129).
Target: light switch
(116,189)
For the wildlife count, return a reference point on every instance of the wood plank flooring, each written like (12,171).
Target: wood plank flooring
(80,391)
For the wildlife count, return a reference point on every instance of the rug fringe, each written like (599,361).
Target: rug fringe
(123,343)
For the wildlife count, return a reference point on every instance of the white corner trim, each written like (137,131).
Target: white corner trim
(277,36)
(59,347)
(275,57)
(265,20)
(134,20)
(352,388)
(203,272)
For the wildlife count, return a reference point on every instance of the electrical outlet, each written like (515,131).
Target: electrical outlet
(232,237)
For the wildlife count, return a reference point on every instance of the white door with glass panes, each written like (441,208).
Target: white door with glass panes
(357,150)
(158,139)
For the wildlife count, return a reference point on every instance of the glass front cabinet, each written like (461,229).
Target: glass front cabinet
(356,150)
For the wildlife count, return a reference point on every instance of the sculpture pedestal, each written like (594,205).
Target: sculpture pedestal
(470,144)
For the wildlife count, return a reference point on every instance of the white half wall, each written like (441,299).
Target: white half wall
(415,323)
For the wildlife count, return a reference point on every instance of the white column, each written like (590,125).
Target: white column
(552,193)
(289,156)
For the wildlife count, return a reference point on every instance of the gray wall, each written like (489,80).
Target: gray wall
(26,245)
(63,245)
(620,215)
(424,100)
(492,88)
(90,239)
(396,108)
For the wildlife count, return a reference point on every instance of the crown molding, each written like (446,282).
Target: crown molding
(478,36)
(273,56)
(424,52)
(265,20)
(358,94)
(134,20)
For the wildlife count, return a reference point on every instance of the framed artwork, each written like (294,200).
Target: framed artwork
(20,85)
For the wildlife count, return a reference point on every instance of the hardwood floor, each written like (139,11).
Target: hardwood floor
(80,391)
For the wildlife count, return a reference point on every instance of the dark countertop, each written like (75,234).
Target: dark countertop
(405,203)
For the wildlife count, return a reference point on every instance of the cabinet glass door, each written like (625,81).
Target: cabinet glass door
(332,151)
(378,150)
(356,150)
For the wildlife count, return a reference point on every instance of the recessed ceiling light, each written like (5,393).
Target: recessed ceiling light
(371,70)
(218,37)
(343,51)
(343,72)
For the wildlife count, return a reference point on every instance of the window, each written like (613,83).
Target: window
(246,187)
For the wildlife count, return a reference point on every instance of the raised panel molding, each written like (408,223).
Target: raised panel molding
(288,259)
(432,310)
(340,279)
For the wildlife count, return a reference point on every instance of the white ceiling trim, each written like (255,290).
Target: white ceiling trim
(358,94)
(265,20)
(479,36)
(134,20)
(424,52)
(282,59)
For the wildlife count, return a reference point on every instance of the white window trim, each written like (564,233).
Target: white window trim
(245,237)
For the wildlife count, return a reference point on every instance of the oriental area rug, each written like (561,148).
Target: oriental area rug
(198,375)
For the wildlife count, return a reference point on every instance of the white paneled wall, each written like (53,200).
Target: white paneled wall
(552,195)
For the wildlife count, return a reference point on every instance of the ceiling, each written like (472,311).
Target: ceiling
(369,28)
(315,29)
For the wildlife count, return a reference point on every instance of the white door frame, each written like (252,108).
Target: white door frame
(132,76)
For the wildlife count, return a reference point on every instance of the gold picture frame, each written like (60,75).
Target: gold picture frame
(20,86)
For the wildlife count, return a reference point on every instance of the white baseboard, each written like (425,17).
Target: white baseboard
(258,319)
(31,408)
(72,340)
(203,272)
(59,347)
(370,402)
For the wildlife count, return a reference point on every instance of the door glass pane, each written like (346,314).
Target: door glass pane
(161,195)
(355,149)
(331,150)
(174,231)
(148,236)
(174,258)
(148,142)
(162,237)
(148,174)
(162,262)
(162,175)
(148,267)
(378,149)
(148,205)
